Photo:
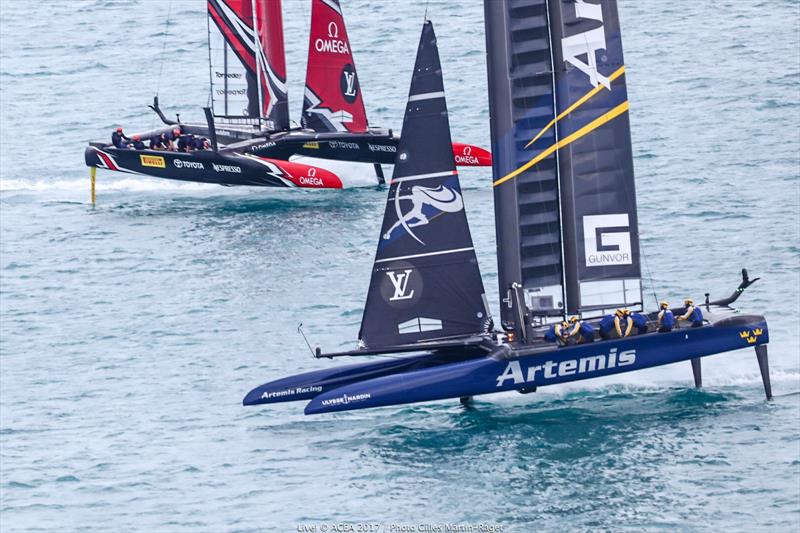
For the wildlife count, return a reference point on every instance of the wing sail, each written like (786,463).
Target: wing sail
(332,100)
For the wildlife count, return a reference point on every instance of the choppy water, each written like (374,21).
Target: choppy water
(130,332)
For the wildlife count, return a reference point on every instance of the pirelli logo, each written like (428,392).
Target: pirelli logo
(152,161)
(312,144)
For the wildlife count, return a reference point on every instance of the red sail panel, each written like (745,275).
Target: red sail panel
(274,97)
(332,100)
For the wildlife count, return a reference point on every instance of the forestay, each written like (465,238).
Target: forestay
(425,282)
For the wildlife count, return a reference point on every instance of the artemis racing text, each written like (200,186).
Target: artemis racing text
(569,367)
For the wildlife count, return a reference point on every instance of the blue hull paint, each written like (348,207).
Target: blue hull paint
(526,370)
(308,385)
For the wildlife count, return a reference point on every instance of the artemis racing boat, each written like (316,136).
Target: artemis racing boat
(248,122)
(565,217)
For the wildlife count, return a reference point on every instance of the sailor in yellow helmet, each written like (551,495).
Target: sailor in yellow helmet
(622,322)
(692,313)
(582,332)
(558,333)
(666,319)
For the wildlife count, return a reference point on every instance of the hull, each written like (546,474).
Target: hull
(225,167)
(526,368)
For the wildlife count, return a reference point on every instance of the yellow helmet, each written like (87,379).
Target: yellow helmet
(619,312)
(564,324)
(626,312)
(688,301)
(663,304)
(573,319)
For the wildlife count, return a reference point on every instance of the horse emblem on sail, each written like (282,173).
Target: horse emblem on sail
(443,198)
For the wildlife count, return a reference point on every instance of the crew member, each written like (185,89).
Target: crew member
(119,140)
(582,331)
(623,323)
(607,325)
(137,143)
(639,322)
(157,142)
(200,143)
(170,137)
(185,142)
(666,320)
(558,333)
(692,313)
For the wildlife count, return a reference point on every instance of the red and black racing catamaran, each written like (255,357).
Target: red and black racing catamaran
(248,121)
(567,233)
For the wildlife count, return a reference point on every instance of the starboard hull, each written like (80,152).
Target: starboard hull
(428,377)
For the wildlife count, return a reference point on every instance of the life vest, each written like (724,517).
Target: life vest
(607,323)
(667,319)
(697,316)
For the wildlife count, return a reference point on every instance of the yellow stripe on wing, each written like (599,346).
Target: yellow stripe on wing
(590,127)
(582,100)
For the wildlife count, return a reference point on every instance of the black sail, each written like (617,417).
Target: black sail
(425,282)
(565,203)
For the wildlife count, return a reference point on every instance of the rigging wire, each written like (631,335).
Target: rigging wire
(162,57)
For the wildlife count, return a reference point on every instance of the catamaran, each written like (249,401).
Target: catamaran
(248,121)
(566,226)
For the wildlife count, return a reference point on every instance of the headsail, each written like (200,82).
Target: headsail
(425,281)
(332,100)
(245,41)
(563,170)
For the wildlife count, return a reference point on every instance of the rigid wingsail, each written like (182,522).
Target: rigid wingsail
(566,224)
(250,141)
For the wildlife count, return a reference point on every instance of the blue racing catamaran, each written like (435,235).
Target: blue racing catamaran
(566,227)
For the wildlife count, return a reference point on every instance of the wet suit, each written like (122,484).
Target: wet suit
(198,143)
(639,322)
(169,139)
(666,321)
(139,145)
(606,326)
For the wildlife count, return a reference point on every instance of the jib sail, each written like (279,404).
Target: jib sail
(563,171)
(332,100)
(247,60)
(425,281)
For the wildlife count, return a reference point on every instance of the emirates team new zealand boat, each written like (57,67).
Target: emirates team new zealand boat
(248,121)
(566,226)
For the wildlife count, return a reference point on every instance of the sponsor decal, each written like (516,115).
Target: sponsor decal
(444,199)
(311,178)
(751,336)
(607,240)
(262,146)
(231,92)
(568,367)
(587,44)
(344,399)
(290,392)
(332,44)
(343,144)
(314,145)
(229,75)
(182,163)
(152,161)
(400,284)
(348,83)
(466,157)
(381,148)
(227,168)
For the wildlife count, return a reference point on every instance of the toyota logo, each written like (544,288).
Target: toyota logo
(177,162)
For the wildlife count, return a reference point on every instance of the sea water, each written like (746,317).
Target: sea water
(130,332)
